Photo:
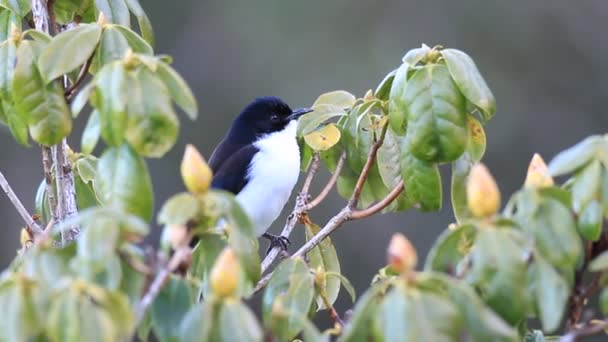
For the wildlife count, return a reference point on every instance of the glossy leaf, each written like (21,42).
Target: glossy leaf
(311,121)
(414,56)
(179,209)
(178,90)
(422,181)
(324,258)
(112,46)
(361,325)
(152,126)
(600,262)
(238,323)
(389,167)
(470,82)
(41,203)
(136,43)
(8,54)
(324,138)
(586,185)
(16,123)
(91,133)
(115,11)
(7,19)
(18,7)
(198,322)
(476,145)
(145,27)
(111,93)
(339,98)
(67,10)
(68,50)
(203,259)
(80,100)
(123,182)
(576,156)
(436,116)
(383,89)
(449,248)
(169,309)
(42,105)
(397,109)
(590,221)
(552,293)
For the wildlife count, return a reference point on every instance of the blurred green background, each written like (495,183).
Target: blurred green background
(544,60)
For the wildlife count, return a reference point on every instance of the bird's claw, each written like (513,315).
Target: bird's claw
(277,241)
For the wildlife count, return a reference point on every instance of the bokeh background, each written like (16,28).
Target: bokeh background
(545,61)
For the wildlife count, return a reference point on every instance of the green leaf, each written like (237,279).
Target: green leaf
(291,284)
(123,182)
(16,123)
(80,100)
(87,168)
(68,50)
(137,44)
(361,327)
(238,323)
(339,98)
(600,263)
(397,109)
(42,105)
(112,46)
(85,195)
(576,156)
(116,11)
(178,89)
(198,322)
(348,286)
(422,181)
(449,248)
(152,127)
(41,203)
(470,82)
(383,89)
(67,10)
(552,293)
(324,257)
(389,167)
(204,255)
(145,27)
(586,185)
(111,93)
(18,7)
(590,221)
(8,54)
(604,301)
(436,116)
(91,133)
(476,145)
(37,36)
(169,309)
(460,174)
(24,306)
(7,19)
(414,56)
(311,121)
(179,209)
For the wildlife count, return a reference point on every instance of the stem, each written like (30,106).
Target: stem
(371,157)
(81,76)
(588,330)
(32,226)
(330,184)
(177,259)
(299,208)
(333,314)
(47,165)
(375,208)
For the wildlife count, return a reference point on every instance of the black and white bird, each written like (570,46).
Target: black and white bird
(259,161)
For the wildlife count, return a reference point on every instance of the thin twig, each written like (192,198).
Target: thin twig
(157,284)
(47,165)
(588,330)
(301,202)
(333,314)
(330,184)
(32,226)
(81,76)
(374,208)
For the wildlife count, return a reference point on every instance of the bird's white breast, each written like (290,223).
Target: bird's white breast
(272,174)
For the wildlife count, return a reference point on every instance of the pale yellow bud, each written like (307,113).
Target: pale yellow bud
(538,174)
(177,236)
(369,95)
(401,255)
(25,238)
(101,20)
(196,174)
(483,196)
(225,273)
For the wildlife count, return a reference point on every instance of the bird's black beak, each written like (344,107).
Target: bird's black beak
(299,112)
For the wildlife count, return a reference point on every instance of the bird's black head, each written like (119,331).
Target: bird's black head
(267,115)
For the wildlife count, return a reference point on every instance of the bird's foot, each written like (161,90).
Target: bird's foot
(276,241)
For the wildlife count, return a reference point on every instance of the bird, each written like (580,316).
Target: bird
(258,161)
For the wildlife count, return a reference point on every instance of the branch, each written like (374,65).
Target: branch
(66,191)
(375,208)
(81,76)
(299,208)
(40,15)
(588,330)
(47,165)
(330,184)
(159,281)
(32,226)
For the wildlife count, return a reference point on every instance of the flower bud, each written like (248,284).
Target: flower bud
(196,174)
(483,196)
(538,174)
(401,254)
(225,273)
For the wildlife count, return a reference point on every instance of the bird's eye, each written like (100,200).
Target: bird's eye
(274,117)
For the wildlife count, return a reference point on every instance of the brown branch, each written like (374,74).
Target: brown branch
(330,184)
(587,330)
(66,191)
(81,76)
(32,227)
(375,208)
(333,314)
(299,208)
(180,256)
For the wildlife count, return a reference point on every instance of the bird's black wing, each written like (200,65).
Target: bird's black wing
(223,152)
(232,174)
